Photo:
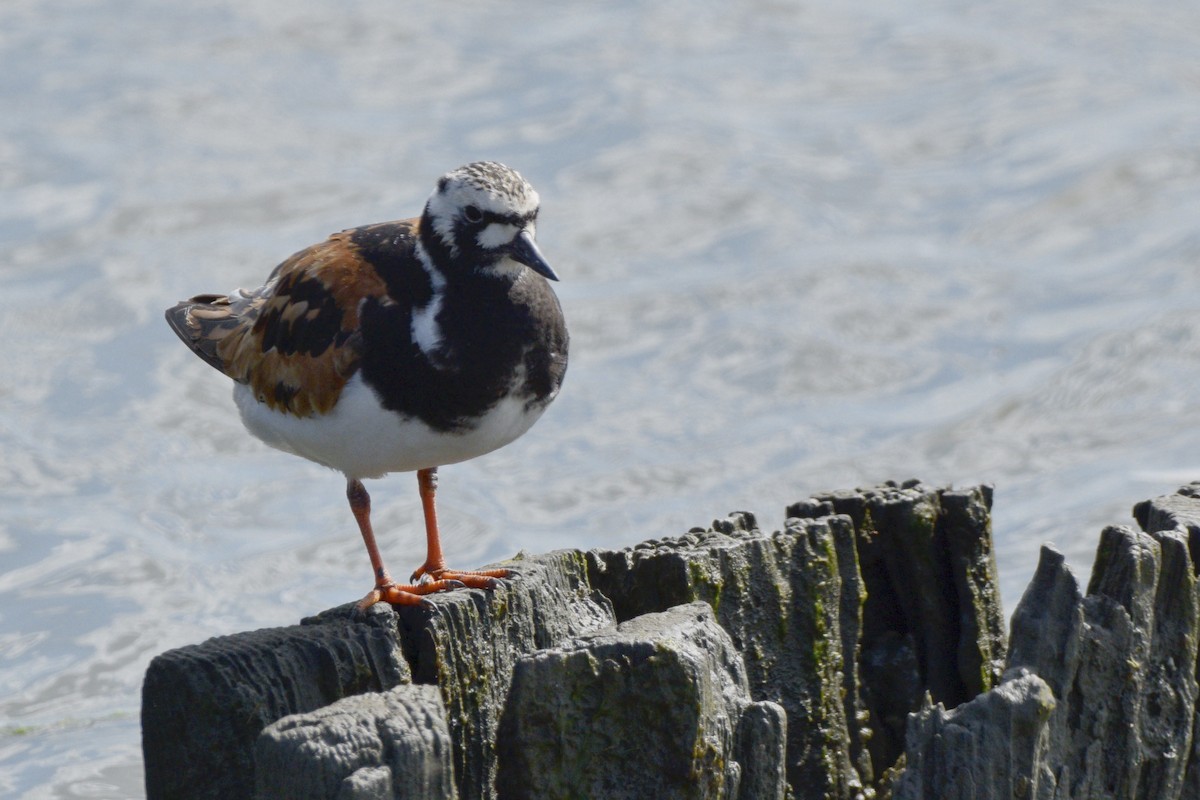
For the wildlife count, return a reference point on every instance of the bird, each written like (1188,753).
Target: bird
(398,346)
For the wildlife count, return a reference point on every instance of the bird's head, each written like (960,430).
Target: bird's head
(482,213)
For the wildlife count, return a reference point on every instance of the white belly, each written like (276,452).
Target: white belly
(364,440)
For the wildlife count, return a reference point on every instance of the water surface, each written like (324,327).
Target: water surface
(803,247)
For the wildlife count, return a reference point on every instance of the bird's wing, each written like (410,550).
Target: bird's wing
(295,341)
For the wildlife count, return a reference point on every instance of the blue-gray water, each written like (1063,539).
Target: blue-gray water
(803,247)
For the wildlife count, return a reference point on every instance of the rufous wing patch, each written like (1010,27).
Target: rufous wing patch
(295,340)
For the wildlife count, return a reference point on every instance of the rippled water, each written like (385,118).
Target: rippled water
(803,247)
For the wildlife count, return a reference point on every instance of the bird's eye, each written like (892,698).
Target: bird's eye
(472,214)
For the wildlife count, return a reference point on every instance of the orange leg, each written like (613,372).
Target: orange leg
(433,575)
(435,563)
(385,588)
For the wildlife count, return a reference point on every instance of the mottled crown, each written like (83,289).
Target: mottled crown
(476,211)
(502,184)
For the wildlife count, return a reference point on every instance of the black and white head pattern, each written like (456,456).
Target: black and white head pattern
(478,209)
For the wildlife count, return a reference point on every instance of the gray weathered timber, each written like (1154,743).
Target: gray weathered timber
(1179,511)
(203,706)
(989,748)
(471,641)
(650,708)
(932,621)
(1178,516)
(762,751)
(392,745)
(740,663)
(790,601)
(1120,664)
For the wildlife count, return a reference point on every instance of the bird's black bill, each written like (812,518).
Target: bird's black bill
(526,251)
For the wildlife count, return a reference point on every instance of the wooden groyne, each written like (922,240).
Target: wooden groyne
(856,651)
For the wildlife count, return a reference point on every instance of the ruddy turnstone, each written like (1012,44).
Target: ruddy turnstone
(396,347)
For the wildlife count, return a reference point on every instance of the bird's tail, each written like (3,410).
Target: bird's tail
(206,320)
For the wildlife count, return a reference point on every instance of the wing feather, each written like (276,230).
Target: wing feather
(295,341)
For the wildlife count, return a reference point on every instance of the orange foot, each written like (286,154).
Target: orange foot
(427,582)
(476,579)
(401,595)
